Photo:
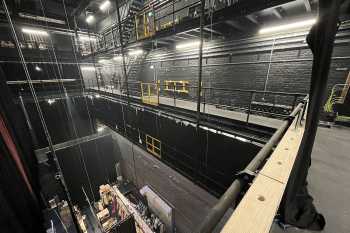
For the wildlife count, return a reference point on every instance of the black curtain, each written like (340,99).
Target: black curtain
(20,210)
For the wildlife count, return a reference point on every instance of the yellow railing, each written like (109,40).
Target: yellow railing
(154,146)
(150,93)
(177,86)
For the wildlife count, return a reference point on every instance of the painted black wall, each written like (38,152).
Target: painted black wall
(213,164)
(94,160)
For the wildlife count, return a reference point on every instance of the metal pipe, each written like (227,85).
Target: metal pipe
(231,194)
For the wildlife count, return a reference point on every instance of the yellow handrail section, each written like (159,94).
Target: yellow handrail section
(145,25)
(154,146)
(177,86)
(150,93)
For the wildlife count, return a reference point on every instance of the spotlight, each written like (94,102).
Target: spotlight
(37,68)
(88,68)
(35,32)
(105,5)
(51,101)
(135,52)
(90,19)
(289,26)
(188,45)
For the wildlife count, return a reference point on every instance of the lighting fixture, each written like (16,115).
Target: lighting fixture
(288,26)
(90,19)
(105,5)
(102,61)
(51,101)
(135,52)
(100,129)
(37,68)
(88,68)
(35,32)
(117,58)
(188,45)
(151,67)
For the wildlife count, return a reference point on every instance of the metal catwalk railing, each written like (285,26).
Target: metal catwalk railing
(248,102)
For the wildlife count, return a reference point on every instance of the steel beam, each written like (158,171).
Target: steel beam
(41,154)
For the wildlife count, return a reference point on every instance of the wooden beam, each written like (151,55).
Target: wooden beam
(257,209)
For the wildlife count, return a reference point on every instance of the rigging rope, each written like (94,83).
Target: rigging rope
(67,108)
(39,110)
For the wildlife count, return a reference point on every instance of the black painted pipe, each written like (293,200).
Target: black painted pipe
(231,194)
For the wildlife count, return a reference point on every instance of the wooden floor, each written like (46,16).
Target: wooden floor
(210,109)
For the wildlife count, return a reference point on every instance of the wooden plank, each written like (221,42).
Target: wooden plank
(280,164)
(254,212)
(257,209)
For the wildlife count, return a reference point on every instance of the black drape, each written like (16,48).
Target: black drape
(297,207)
(19,188)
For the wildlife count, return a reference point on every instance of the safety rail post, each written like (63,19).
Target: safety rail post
(174,95)
(250,106)
(158,90)
(294,101)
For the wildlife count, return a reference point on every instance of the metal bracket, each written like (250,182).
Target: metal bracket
(246,175)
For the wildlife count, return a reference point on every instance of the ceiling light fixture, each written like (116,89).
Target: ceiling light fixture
(188,45)
(35,32)
(90,19)
(51,101)
(288,26)
(135,52)
(105,5)
(118,58)
(37,68)
(88,68)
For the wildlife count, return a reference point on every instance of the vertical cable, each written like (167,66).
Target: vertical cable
(269,67)
(40,113)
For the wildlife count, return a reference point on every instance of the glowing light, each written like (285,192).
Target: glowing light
(135,52)
(51,101)
(289,26)
(90,19)
(35,32)
(188,45)
(97,96)
(151,67)
(105,5)
(88,68)
(100,129)
(37,68)
(117,58)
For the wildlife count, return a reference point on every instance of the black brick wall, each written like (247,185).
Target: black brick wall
(248,60)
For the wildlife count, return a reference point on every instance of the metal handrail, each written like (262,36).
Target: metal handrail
(232,193)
